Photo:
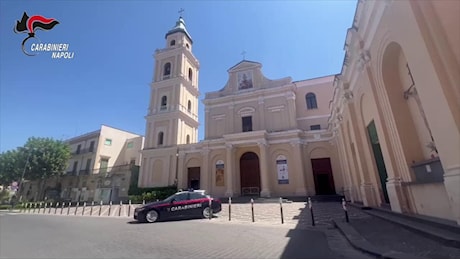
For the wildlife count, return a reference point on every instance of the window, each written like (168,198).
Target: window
(78,149)
(196,196)
(181,197)
(173,42)
(88,165)
(104,164)
(164,102)
(188,46)
(315,127)
(311,101)
(189,106)
(190,74)
(91,146)
(160,138)
(167,70)
(247,123)
(188,139)
(108,141)
(130,145)
(75,166)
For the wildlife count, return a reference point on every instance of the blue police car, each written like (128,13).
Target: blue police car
(184,204)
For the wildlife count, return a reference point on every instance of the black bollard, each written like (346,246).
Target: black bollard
(51,205)
(68,207)
(110,208)
(35,206)
(129,207)
(210,208)
(91,210)
(281,210)
(56,207)
(76,208)
(44,207)
(119,209)
(252,209)
(100,208)
(83,211)
(311,211)
(344,206)
(62,207)
(229,208)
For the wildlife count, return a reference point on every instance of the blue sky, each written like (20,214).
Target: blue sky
(107,81)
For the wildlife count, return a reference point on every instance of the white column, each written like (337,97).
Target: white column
(181,179)
(229,171)
(265,192)
(204,172)
(300,175)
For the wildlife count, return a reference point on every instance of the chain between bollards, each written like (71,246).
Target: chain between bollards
(344,206)
(252,209)
(310,206)
(229,208)
(281,210)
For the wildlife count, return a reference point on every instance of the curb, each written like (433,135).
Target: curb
(399,220)
(360,243)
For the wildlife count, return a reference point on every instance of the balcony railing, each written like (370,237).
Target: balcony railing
(83,151)
(106,171)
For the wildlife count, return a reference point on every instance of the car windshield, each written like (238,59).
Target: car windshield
(170,197)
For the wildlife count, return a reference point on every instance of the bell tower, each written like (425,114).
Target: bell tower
(172,117)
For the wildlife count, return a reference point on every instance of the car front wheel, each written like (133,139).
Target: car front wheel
(206,212)
(151,216)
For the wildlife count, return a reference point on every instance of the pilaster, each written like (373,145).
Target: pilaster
(229,170)
(265,192)
(301,189)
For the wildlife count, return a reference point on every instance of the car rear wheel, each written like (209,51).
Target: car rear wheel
(151,216)
(206,212)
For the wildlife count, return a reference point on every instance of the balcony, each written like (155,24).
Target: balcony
(83,151)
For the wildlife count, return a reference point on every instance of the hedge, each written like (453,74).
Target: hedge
(138,195)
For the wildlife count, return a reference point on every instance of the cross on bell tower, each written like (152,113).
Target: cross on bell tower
(181,11)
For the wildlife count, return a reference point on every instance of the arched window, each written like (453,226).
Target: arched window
(164,102)
(189,106)
(160,138)
(311,101)
(188,139)
(167,69)
(188,46)
(173,42)
(190,74)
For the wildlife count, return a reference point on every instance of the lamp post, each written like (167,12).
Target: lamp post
(23,173)
(177,170)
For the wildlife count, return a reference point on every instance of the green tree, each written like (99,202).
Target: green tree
(46,157)
(10,167)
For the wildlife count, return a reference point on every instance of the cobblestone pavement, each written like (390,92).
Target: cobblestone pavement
(296,214)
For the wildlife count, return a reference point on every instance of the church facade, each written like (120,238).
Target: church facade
(262,137)
(383,132)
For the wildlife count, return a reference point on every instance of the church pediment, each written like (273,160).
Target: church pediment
(247,76)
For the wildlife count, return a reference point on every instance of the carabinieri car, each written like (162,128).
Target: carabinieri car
(180,205)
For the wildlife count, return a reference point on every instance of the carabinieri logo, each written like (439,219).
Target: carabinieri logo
(37,22)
